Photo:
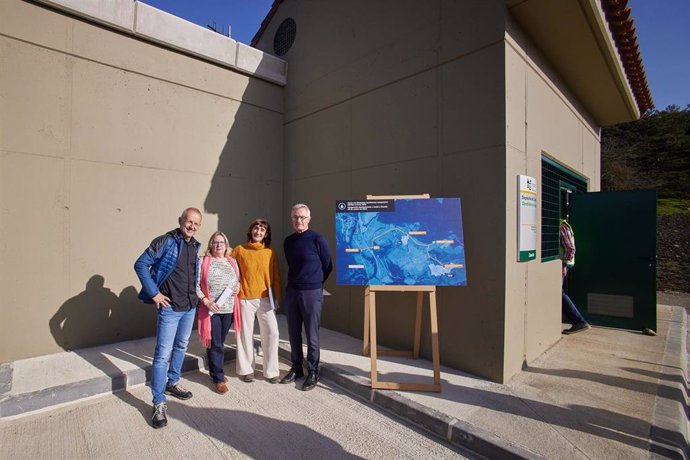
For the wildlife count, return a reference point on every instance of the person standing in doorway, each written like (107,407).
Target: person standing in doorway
(577,322)
(168,270)
(309,264)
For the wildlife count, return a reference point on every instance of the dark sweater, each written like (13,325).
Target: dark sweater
(309,260)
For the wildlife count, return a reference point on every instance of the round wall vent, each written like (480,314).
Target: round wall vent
(285,36)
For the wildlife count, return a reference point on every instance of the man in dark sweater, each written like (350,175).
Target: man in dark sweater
(309,264)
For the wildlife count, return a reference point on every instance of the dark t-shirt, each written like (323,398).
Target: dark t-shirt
(180,286)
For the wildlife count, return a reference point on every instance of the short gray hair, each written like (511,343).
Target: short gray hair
(300,206)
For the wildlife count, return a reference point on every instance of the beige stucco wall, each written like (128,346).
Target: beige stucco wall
(404,98)
(445,98)
(104,139)
(543,118)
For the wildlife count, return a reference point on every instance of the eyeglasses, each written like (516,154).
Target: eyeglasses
(218,243)
(299,218)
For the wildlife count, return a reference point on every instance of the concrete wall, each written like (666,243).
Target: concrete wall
(392,97)
(542,117)
(446,98)
(104,139)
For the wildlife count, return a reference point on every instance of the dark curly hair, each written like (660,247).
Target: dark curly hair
(262,223)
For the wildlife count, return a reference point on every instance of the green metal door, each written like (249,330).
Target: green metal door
(613,282)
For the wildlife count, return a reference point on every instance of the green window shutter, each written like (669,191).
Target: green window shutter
(554,178)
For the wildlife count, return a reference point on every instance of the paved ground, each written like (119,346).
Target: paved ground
(600,394)
(256,420)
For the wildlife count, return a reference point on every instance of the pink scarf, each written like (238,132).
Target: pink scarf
(204,319)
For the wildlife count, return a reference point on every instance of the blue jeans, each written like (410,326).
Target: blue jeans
(570,311)
(304,307)
(220,325)
(172,337)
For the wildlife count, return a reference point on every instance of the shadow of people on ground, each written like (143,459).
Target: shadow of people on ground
(603,423)
(248,432)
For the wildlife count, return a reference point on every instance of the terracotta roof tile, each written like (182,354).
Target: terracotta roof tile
(622,28)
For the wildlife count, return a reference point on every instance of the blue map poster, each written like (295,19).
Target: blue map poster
(400,242)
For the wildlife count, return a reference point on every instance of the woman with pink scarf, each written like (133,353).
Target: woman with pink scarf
(217,286)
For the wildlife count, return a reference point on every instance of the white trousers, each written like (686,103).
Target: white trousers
(268,329)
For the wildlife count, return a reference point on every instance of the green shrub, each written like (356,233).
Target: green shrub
(672,206)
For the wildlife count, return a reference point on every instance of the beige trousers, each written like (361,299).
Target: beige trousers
(268,329)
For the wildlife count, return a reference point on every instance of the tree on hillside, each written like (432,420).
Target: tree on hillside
(653,152)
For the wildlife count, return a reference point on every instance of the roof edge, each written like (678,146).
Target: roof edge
(622,28)
(150,24)
(265,22)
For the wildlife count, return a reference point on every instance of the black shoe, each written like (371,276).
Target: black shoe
(291,376)
(178,392)
(247,378)
(159,418)
(310,382)
(577,328)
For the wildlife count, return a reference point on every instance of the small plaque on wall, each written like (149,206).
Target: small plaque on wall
(527,219)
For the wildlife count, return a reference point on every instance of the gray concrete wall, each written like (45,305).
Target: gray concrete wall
(104,139)
(405,98)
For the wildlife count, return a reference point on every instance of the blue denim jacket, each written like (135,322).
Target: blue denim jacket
(158,261)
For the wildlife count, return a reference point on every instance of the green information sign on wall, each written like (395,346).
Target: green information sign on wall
(527,218)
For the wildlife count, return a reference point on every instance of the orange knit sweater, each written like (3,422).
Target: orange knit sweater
(259,270)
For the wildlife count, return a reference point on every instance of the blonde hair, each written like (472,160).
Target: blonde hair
(210,241)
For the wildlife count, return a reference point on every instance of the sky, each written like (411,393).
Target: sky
(242,16)
(663,33)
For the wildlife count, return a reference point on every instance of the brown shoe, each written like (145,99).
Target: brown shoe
(221,387)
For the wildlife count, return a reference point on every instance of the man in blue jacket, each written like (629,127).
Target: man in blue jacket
(309,264)
(168,270)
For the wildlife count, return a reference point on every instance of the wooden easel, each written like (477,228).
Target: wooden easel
(370,328)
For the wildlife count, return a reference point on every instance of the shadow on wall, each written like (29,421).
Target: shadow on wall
(246,184)
(97,316)
(248,180)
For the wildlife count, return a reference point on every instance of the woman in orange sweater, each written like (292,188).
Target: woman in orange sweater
(259,294)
